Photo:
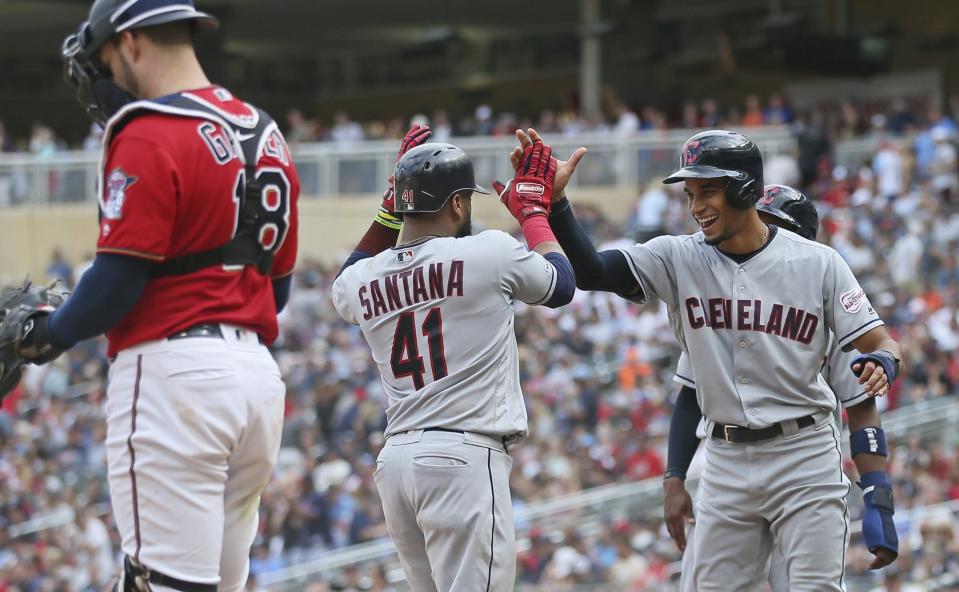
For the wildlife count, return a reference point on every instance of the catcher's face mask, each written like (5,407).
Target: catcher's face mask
(99,96)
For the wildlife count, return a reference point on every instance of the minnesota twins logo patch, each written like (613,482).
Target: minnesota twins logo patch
(116,187)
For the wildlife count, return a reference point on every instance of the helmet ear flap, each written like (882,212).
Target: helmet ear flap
(742,193)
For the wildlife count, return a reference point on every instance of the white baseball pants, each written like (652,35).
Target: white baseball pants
(448,508)
(193,431)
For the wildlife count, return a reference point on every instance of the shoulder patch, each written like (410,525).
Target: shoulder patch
(116,186)
(852,300)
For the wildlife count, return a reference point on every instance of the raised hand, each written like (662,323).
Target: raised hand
(416,136)
(528,194)
(564,168)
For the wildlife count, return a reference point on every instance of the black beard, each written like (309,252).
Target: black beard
(465,229)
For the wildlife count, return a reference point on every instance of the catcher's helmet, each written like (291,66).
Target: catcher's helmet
(715,154)
(95,92)
(792,208)
(428,175)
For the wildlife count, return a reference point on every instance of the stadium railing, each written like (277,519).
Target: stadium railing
(593,509)
(328,169)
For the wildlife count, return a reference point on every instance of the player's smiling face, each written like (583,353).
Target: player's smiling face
(706,199)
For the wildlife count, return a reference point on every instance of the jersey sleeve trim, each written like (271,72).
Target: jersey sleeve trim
(640,296)
(853,401)
(549,292)
(131,253)
(684,380)
(280,276)
(847,339)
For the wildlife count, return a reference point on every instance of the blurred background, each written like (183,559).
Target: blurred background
(853,101)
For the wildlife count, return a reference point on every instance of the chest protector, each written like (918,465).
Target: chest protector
(248,134)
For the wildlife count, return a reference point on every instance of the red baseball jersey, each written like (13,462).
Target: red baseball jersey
(170,187)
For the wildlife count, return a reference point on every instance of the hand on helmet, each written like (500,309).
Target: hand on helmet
(416,136)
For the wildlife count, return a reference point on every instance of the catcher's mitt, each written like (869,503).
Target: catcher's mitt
(20,310)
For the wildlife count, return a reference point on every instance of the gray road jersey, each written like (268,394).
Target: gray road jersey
(835,371)
(757,332)
(438,316)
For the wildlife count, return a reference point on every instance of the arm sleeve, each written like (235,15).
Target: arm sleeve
(565,281)
(683,441)
(105,294)
(138,199)
(281,292)
(848,311)
(684,372)
(606,271)
(355,256)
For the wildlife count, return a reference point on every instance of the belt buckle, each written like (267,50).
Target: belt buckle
(726,429)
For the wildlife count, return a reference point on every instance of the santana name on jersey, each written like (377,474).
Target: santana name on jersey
(413,286)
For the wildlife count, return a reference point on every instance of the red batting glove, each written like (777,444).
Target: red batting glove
(417,135)
(530,190)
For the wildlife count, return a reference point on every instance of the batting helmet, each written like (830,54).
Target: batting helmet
(428,175)
(715,154)
(792,208)
(95,89)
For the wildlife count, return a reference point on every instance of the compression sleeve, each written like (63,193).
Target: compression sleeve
(565,281)
(105,294)
(607,271)
(683,441)
(281,292)
(355,256)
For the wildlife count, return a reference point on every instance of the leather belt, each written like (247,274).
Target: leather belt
(203,330)
(741,435)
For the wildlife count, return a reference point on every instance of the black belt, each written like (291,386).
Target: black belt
(506,440)
(203,330)
(741,435)
(135,570)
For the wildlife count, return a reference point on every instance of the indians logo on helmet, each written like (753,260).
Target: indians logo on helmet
(692,152)
(769,196)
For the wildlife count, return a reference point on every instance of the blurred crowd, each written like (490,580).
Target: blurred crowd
(832,120)
(597,378)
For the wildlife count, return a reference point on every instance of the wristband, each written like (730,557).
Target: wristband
(537,231)
(877,482)
(674,472)
(885,358)
(389,220)
(868,441)
(36,334)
